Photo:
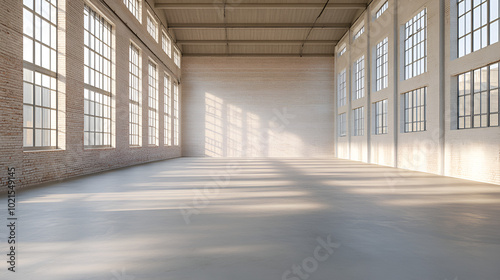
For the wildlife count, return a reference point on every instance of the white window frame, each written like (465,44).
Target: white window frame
(342,88)
(134,6)
(98,79)
(176,113)
(342,51)
(152,103)
(152,26)
(40,93)
(135,96)
(167,110)
(166,43)
(177,57)
(358,33)
(382,9)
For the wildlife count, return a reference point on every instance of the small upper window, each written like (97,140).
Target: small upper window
(166,44)
(359,32)
(382,9)
(177,58)
(134,7)
(342,51)
(152,27)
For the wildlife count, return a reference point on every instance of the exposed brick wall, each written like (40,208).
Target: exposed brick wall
(73,159)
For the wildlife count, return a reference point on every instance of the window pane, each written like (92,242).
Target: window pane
(494,32)
(96,74)
(28,116)
(28,93)
(494,76)
(28,49)
(494,101)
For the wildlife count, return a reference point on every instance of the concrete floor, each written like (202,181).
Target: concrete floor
(230,219)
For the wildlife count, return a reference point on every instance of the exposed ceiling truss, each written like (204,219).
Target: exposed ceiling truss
(259,27)
(253,6)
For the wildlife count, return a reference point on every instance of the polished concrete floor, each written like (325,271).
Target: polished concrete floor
(258,219)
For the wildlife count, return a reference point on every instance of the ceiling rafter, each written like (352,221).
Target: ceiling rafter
(342,26)
(204,6)
(256,42)
(262,54)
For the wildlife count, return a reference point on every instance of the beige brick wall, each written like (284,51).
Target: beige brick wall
(73,159)
(258,107)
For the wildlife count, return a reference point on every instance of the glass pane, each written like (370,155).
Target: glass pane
(45,9)
(28,3)
(53,14)
(38,54)
(28,49)
(494,119)
(477,80)
(38,96)
(53,119)
(28,75)
(45,57)
(46,81)
(53,138)
(493,10)
(484,102)
(467,81)
(46,138)
(28,23)
(484,120)
(477,17)
(477,40)
(477,103)
(45,32)
(468,122)
(38,78)
(484,78)
(494,76)
(38,137)
(28,93)
(477,121)
(494,101)
(461,106)
(53,101)
(45,97)
(46,118)
(467,105)
(28,137)
(494,32)
(28,116)
(38,117)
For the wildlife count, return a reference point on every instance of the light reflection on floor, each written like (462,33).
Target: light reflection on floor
(255,219)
